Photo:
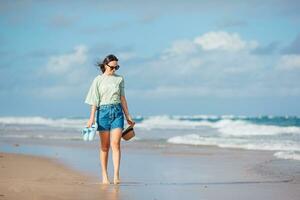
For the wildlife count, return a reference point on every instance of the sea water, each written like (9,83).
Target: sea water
(280,134)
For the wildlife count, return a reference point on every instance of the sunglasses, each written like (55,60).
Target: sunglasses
(113,67)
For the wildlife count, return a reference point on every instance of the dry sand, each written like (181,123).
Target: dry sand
(32,177)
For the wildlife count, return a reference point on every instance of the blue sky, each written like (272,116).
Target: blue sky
(183,58)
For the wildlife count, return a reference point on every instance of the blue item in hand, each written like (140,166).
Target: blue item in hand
(88,134)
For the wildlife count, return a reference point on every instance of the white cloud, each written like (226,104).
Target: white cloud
(62,64)
(125,56)
(187,69)
(184,58)
(66,74)
(70,73)
(289,62)
(180,47)
(224,41)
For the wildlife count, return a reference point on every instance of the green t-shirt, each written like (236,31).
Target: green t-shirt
(105,89)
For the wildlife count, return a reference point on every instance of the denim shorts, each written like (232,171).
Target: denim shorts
(110,116)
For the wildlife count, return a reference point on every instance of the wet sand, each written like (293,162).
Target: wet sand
(149,170)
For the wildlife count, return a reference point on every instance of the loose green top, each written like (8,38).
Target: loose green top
(105,89)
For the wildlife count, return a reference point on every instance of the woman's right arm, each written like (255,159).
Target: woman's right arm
(92,116)
(93,99)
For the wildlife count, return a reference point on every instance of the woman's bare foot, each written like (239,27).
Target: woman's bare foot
(105,179)
(105,182)
(117,180)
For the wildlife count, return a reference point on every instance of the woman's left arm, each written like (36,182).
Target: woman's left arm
(126,112)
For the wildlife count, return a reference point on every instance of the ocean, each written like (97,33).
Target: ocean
(280,134)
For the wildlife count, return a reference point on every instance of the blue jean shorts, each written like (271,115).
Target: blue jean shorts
(110,116)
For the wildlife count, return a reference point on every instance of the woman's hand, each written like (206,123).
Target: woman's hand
(90,123)
(130,120)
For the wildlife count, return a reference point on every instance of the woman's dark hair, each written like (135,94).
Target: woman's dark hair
(106,60)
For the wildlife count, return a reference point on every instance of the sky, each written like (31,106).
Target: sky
(203,57)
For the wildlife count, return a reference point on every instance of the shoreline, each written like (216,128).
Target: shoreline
(168,149)
(190,171)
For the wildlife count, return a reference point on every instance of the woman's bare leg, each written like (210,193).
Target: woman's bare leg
(104,151)
(116,134)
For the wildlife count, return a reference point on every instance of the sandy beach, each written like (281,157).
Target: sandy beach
(34,177)
(148,171)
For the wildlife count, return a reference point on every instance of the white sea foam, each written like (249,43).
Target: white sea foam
(212,117)
(223,131)
(43,136)
(287,149)
(287,155)
(243,128)
(166,122)
(61,122)
(225,126)
(194,139)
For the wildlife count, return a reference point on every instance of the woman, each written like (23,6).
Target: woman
(106,96)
